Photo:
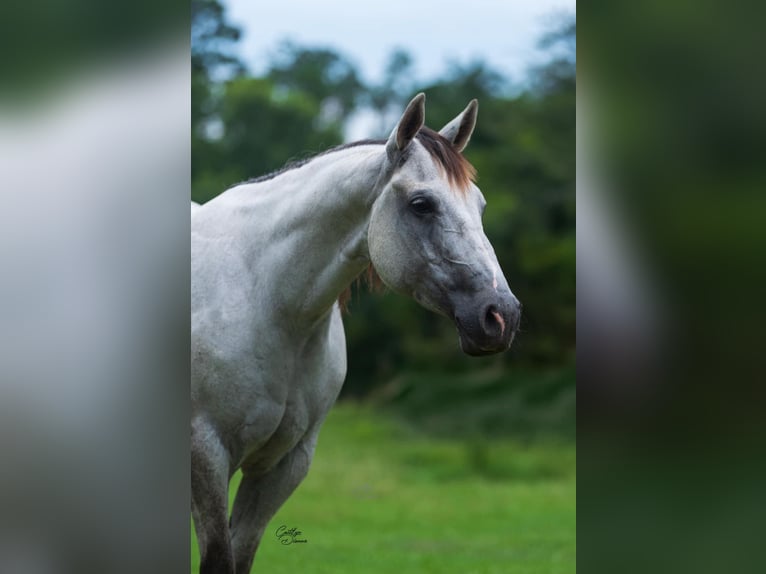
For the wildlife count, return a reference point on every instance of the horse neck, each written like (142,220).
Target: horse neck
(316,219)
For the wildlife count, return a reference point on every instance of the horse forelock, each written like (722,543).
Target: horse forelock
(457,168)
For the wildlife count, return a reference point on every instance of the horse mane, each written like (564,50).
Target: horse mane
(369,277)
(459,170)
(296,163)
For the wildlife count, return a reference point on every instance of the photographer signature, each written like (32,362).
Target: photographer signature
(288,536)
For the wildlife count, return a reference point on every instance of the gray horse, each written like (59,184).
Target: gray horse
(269,260)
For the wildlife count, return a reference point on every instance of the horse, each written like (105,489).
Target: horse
(270,258)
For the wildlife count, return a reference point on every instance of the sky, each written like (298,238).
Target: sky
(504,33)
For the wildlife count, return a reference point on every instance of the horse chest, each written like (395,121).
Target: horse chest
(314,381)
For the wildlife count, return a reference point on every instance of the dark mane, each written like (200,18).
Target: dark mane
(295,164)
(458,169)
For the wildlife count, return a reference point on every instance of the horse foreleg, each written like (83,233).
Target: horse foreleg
(209,485)
(260,497)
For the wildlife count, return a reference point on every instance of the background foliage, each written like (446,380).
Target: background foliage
(401,356)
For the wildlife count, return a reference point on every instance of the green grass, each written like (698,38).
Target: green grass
(381,498)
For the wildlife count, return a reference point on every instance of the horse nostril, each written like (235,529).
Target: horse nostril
(493,319)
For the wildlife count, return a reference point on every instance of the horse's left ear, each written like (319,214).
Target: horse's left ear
(459,130)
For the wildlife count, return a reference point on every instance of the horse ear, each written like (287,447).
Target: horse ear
(459,130)
(409,125)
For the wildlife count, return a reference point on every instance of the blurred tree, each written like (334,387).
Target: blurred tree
(460,84)
(320,73)
(212,42)
(559,73)
(212,38)
(212,59)
(262,128)
(392,93)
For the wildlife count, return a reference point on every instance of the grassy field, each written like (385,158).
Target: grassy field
(381,498)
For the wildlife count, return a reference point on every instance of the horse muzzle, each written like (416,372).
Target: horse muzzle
(490,327)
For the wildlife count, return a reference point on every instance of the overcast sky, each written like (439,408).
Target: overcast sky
(501,32)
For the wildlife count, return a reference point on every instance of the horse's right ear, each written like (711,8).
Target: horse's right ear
(408,127)
(459,130)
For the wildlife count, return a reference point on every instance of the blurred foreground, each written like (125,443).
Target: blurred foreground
(670,256)
(94,317)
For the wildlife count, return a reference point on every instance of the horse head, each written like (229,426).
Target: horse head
(426,238)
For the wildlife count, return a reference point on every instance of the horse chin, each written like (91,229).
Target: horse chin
(472,349)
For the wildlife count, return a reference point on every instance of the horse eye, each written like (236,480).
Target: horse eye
(422,205)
